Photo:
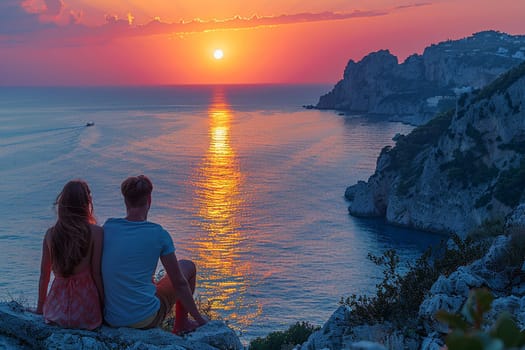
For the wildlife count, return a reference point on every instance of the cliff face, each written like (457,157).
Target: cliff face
(424,84)
(463,169)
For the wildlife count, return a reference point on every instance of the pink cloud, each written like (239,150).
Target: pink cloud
(53,7)
(37,32)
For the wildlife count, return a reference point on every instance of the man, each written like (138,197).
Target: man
(132,248)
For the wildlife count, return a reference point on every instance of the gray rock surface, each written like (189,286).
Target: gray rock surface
(331,335)
(450,293)
(515,222)
(365,345)
(20,329)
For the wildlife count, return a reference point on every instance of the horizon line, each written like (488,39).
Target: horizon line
(162,85)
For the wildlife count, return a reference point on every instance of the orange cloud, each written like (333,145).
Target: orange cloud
(54,34)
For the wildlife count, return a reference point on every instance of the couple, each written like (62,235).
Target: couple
(106,273)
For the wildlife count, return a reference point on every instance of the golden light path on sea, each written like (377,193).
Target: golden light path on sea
(218,203)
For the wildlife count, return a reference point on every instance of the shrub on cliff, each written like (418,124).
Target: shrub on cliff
(509,188)
(398,296)
(296,334)
(403,155)
(502,83)
(409,146)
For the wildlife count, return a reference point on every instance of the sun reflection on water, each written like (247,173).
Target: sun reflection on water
(218,204)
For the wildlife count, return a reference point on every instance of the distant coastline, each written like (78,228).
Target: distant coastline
(423,85)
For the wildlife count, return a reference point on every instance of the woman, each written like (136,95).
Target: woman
(72,248)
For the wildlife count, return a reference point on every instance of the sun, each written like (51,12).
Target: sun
(218,54)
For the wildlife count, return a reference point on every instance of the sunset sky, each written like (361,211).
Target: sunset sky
(138,42)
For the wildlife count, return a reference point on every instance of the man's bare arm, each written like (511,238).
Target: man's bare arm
(181,286)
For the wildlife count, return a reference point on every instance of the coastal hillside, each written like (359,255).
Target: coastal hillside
(464,169)
(422,85)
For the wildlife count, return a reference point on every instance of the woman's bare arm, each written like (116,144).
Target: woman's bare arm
(97,234)
(45,273)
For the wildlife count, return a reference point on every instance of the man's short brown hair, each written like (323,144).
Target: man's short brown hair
(136,190)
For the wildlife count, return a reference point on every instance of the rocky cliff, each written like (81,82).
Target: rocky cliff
(463,169)
(448,293)
(422,85)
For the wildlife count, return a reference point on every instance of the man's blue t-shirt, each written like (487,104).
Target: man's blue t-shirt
(129,259)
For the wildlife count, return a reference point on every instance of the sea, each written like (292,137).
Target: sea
(249,184)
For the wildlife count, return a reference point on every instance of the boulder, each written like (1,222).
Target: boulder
(432,342)
(332,334)
(450,293)
(366,345)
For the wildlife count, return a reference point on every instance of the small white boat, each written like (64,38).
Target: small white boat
(90,123)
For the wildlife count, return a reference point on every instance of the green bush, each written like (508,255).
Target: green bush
(468,329)
(296,334)
(502,83)
(516,251)
(398,296)
(403,155)
(509,100)
(477,136)
(483,200)
(509,187)
(411,145)
(408,182)
(488,229)
(462,99)
(469,162)
(517,144)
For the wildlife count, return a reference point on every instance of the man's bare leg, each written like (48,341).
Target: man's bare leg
(165,291)
(182,322)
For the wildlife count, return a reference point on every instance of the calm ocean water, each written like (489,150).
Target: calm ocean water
(249,184)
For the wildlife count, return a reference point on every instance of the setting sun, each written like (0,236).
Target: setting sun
(218,54)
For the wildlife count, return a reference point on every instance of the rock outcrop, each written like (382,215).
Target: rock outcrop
(492,272)
(450,293)
(462,170)
(422,85)
(20,329)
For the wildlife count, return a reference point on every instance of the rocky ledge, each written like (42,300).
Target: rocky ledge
(20,329)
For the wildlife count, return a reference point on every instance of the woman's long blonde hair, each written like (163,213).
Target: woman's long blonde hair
(71,235)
